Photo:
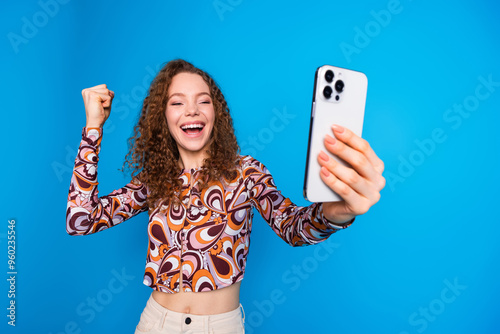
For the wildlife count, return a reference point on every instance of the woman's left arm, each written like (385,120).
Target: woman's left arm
(358,186)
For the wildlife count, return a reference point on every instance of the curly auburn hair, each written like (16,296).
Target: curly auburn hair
(153,156)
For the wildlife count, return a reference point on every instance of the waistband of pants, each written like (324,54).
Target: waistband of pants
(219,316)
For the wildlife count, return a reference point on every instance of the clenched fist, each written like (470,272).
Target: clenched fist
(97,101)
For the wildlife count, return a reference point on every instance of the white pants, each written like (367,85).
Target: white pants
(156,319)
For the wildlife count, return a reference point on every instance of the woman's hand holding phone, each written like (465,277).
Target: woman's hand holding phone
(97,102)
(358,186)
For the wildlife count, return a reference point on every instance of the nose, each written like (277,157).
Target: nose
(192,109)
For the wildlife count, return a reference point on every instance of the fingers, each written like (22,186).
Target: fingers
(359,183)
(100,89)
(104,99)
(356,159)
(97,102)
(99,93)
(99,86)
(357,152)
(356,203)
(345,181)
(104,91)
(359,144)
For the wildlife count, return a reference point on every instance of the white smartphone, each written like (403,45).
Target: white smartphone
(339,97)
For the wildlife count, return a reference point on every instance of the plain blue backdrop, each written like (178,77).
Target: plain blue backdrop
(422,260)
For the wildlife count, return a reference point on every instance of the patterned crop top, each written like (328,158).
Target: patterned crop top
(208,240)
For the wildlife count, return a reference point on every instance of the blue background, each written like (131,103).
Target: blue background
(390,272)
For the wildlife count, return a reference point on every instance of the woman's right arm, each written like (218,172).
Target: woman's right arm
(86,212)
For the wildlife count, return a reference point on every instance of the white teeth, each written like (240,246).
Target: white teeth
(192,126)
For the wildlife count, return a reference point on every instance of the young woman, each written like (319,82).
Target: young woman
(200,193)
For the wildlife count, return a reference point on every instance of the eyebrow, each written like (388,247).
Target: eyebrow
(183,95)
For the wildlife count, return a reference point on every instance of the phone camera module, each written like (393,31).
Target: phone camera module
(339,86)
(327,92)
(329,76)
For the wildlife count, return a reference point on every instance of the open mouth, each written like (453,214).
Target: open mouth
(192,129)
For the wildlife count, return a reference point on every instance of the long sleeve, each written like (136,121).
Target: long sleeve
(296,225)
(88,213)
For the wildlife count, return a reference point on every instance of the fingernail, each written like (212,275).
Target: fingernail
(330,140)
(337,128)
(325,171)
(323,156)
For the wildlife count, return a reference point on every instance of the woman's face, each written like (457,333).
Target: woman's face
(190,113)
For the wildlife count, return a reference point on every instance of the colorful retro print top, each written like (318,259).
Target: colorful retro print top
(207,236)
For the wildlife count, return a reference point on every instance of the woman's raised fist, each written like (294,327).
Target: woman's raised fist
(97,101)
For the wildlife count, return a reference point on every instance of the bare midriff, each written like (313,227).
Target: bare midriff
(201,303)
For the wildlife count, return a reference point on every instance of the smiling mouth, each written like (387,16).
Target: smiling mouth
(192,129)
